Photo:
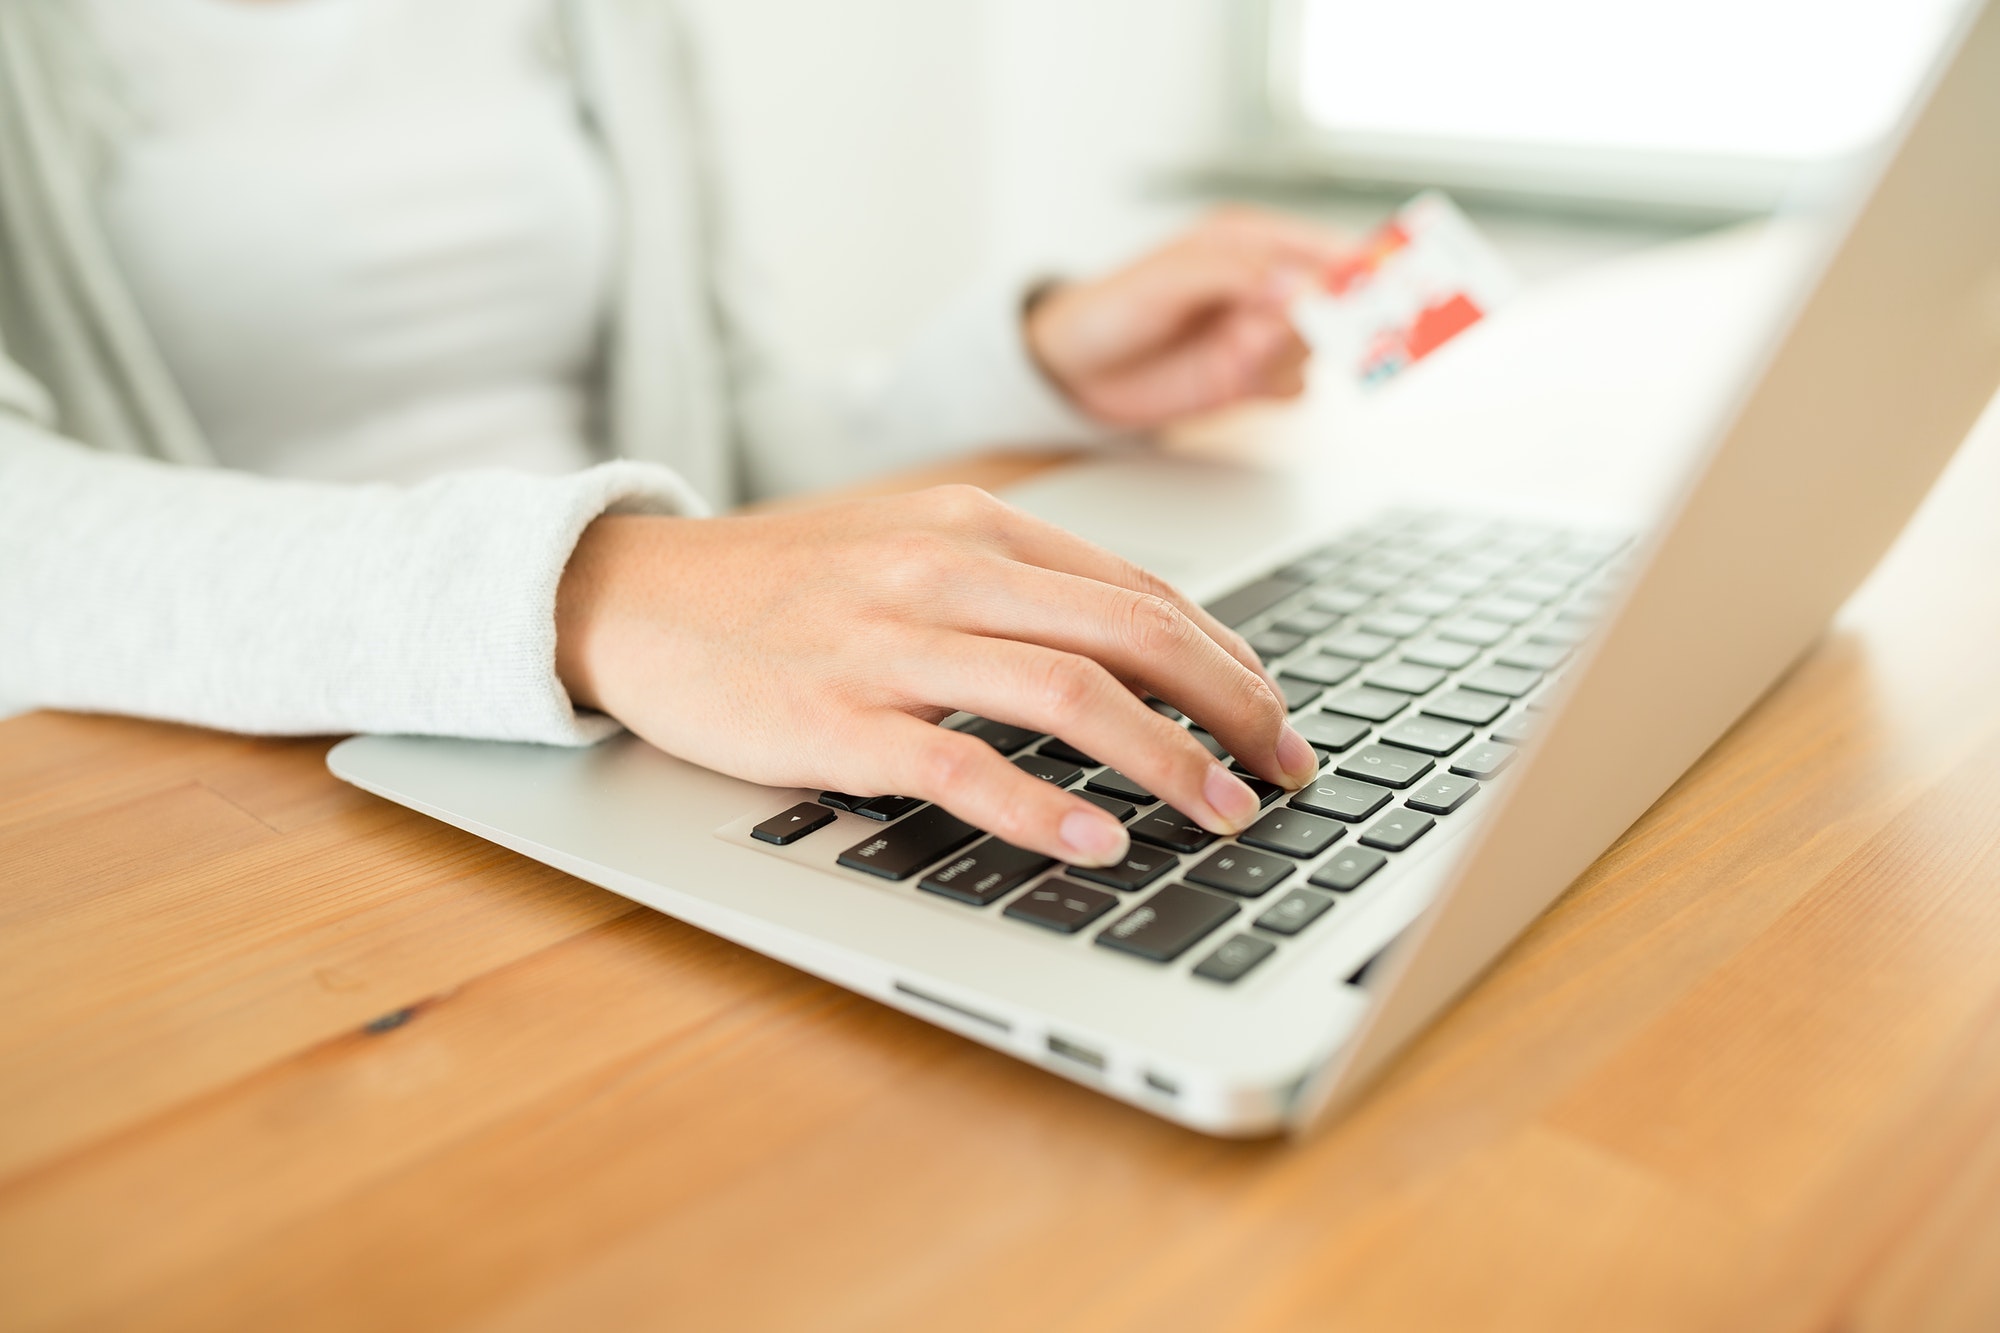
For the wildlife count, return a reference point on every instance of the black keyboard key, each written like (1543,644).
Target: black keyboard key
(1166,710)
(1298,693)
(1341,601)
(1510,681)
(1240,871)
(1141,866)
(1397,830)
(901,850)
(782,830)
(1430,735)
(1252,599)
(1234,958)
(1467,706)
(1347,870)
(1532,656)
(1308,621)
(1323,668)
(1272,643)
(1209,743)
(1111,805)
(1483,761)
(1357,644)
(1069,754)
(1005,739)
(1442,793)
(1265,792)
(1394,624)
(1169,828)
(1293,832)
(1406,677)
(886,808)
(1341,798)
(840,800)
(1439,653)
(1367,702)
(1294,912)
(1164,926)
(986,872)
(1330,732)
(1061,905)
(1389,765)
(1113,783)
(1047,769)
(1485,633)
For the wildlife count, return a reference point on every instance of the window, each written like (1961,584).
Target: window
(1720,104)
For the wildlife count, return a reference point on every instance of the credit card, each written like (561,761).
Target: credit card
(1418,281)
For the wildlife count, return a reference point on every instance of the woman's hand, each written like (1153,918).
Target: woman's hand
(818,649)
(1199,324)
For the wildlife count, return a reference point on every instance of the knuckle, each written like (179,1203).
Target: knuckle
(966,508)
(1155,627)
(1259,701)
(914,563)
(947,764)
(1067,686)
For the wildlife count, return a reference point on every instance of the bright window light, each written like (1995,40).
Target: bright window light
(1786,80)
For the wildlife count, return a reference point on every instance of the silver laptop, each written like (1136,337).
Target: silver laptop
(1495,702)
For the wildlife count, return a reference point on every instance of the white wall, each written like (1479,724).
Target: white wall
(885,153)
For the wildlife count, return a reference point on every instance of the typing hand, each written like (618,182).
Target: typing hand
(1199,324)
(818,649)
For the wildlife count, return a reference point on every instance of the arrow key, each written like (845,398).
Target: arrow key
(785,829)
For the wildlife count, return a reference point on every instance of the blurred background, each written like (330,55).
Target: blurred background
(932,142)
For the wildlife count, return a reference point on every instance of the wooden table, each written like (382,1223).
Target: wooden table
(280,1055)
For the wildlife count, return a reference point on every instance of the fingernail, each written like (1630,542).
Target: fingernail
(1296,757)
(1228,797)
(1093,837)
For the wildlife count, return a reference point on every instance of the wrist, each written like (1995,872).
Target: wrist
(591,595)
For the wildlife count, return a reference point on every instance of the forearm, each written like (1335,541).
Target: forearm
(282,607)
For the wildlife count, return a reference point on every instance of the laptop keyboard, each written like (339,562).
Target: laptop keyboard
(1411,652)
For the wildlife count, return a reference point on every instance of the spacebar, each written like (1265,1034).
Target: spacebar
(1232,609)
(901,850)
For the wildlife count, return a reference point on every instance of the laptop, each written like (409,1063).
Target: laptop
(1494,700)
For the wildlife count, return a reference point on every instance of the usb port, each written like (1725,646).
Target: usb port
(1163,1085)
(1083,1055)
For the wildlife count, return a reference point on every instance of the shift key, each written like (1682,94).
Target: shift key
(904,848)
(1162,927)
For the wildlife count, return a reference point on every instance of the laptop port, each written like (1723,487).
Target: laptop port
(1163,1085)
(1082,1055)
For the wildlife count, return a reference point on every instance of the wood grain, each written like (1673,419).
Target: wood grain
(282,1055)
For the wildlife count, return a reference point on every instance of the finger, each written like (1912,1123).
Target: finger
(1068,695)
(1037,541)
(1145,639)
(1278,235)
(970,779)
(1285,376)
(1210,365)
(1034,541)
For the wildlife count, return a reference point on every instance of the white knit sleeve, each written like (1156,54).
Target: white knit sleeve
(270,606)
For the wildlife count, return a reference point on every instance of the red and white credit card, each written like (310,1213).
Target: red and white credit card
(1418,281)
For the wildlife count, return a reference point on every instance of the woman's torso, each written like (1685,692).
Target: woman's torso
(371,237)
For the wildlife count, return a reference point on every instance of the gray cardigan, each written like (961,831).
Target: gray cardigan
(426,609)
